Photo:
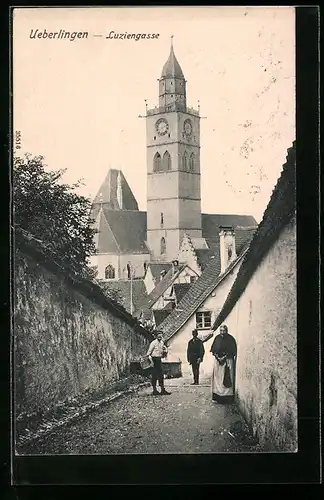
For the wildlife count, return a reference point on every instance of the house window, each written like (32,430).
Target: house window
(192,279)
(110,272)
(162,246)
(203,320)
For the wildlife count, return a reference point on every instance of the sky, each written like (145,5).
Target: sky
(78,103)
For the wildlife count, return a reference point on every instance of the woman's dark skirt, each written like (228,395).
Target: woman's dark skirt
(222,399)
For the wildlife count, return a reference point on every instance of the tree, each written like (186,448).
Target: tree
(52,212)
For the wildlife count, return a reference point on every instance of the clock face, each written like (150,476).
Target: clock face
(187,127)
(162,126)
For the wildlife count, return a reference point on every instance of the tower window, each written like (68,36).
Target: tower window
(161,219)
(110,272)
(185,161)
(162,246)
(192,162)
(154,137)
(166,161)
(157,163)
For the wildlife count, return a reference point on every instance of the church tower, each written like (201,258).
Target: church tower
(173,166)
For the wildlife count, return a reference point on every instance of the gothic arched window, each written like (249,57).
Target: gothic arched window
(162,246)
(110,272)
(185,161)
(166,161)
(192,162)
(157,162)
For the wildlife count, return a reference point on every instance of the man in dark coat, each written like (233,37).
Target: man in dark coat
(195,355)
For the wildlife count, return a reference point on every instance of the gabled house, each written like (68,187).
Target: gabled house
(201,303)
(261,313)
(162,296)
(155,272)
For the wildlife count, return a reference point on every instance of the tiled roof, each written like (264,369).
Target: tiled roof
(147,314)
(172,67)
(204,256)
(124,231)
(168,306)
(127,230)
(196,295)
(279,212)
(180,289)
(157,267)
(162,286)
(116,192)
(211,223)
(160,315)
(242,235)
(106,242)
(123,288)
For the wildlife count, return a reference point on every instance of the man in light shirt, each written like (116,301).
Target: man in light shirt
(156,351)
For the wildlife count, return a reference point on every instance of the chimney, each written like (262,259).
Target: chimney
(162,274)
(175,266)
(226,246)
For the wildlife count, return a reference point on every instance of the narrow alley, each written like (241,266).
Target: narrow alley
(186,421)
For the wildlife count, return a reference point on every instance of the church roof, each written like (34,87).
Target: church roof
(124,231)
(121,231)
(172,68)
(116,192)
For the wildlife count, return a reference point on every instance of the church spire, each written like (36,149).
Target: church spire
(172,67)
(172,84)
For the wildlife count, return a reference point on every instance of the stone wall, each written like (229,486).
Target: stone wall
(69,338)
(264,323)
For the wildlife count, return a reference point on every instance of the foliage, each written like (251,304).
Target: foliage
(113,294)
(52,212)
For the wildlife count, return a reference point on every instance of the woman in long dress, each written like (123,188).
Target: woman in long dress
(224,350)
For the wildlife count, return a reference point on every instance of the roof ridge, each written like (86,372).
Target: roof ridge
(205,292)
